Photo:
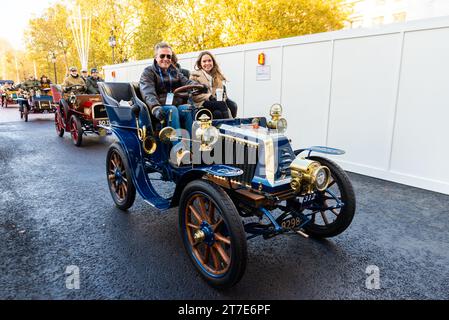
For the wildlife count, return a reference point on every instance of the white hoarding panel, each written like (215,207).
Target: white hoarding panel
(305,92)
(364,88)
(261,94)
(231,65)
(421,140)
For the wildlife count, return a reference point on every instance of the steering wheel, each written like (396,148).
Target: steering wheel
(185,91)
(75,87)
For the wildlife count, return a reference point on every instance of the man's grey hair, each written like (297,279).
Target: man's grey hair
(161,45)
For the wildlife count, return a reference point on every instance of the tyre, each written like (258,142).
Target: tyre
(119,177)
(213,234)
(76,130)
(58,124)
(327,222)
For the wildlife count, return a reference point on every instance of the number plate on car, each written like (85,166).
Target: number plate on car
(291,223)
(309,198)
(103,122)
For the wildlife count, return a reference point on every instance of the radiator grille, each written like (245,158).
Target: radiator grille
(100,111)
(241,154)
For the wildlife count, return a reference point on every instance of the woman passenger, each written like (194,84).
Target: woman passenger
(208,72)
(45,82)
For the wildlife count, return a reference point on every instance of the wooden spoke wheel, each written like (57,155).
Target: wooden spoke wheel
(119,177)
(213,233)
(58,124)
(76,131)
(335,207)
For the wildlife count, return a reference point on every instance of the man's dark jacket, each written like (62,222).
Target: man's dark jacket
(92,85)
(154,89)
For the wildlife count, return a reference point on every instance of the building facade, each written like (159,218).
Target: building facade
(373,13)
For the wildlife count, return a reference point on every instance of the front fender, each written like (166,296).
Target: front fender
(321,149)
(132,147)
(197,173)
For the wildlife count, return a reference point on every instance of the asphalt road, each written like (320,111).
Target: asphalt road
(56,212)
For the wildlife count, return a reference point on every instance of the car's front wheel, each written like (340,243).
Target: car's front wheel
(58,124)
(334,208)
(213,233)
(76,130)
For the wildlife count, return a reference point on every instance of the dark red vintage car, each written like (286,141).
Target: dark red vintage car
(80,114)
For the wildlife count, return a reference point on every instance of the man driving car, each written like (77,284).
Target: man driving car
(157,85)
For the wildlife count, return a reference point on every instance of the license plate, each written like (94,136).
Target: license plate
(103,122)
(291,223)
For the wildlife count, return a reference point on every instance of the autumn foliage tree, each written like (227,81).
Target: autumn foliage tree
(189,25)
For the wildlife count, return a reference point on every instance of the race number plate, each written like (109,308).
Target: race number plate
(308,199)
(103,123)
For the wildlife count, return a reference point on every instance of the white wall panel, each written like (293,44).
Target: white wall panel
(232,68)
(364,87)
(305,92)
(260,95)
(421,141)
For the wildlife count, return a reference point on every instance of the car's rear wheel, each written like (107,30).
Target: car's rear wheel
(119,176)
(76,130)
(328,221)
(58,124)
(212,233)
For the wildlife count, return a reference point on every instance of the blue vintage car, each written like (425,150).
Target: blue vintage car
(243,180)
(35,101)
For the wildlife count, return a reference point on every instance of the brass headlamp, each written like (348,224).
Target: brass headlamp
(308,176)
(277,122)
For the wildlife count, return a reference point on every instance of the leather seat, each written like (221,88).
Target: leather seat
(114,92)
(138,98)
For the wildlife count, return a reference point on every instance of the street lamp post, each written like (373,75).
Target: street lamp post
(112,44)
(53,60)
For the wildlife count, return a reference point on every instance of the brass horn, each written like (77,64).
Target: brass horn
(149,145)
(148,142)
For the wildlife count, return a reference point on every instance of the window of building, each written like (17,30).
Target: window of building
(377,21)
(356,22)
(399,17)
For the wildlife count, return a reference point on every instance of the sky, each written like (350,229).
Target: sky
(15,16)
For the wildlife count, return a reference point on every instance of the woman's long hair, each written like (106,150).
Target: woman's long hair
(216,71)
(42,80)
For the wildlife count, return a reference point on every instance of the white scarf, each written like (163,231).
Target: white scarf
(209,78)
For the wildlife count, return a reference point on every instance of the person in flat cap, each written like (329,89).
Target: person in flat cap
(92,82)
(73,79)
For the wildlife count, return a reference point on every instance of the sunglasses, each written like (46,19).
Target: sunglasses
(163,56)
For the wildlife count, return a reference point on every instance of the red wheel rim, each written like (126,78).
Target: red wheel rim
(58,123)
(74,131)
(118,179)
(214,252)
